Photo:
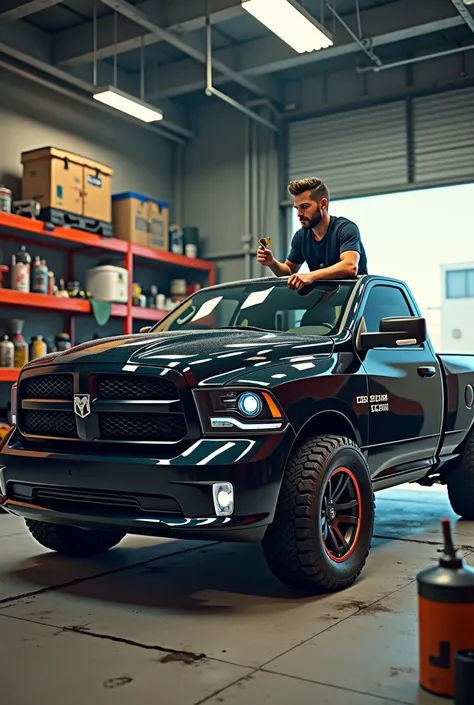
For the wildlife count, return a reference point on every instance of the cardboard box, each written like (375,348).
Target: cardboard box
(141,220)
(69,182)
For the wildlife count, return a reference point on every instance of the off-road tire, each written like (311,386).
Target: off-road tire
(72,541)
(460,481)
(293,544)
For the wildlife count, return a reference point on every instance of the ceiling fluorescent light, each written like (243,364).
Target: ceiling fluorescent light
(291,22)
(126,103)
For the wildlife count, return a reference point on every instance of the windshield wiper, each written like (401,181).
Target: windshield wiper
(263,330)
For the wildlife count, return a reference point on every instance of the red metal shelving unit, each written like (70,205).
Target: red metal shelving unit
(16,227)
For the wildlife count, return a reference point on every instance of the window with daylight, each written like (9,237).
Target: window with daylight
(460,284)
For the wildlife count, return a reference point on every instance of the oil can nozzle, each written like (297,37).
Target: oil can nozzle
(449,559)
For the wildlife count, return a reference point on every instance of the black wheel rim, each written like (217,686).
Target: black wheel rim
(341,514)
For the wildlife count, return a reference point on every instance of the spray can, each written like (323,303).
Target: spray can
(445,617)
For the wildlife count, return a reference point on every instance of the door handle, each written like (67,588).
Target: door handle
(427,371)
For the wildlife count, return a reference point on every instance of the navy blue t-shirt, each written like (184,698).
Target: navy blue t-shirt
(342,235)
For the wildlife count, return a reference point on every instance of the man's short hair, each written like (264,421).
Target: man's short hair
(317,187)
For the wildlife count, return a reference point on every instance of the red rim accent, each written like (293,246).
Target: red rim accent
(341,514)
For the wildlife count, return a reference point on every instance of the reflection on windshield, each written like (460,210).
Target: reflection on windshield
(316,310)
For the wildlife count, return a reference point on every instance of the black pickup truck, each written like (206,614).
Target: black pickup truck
(251,412)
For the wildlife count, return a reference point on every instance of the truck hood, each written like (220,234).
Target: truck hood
(217,356)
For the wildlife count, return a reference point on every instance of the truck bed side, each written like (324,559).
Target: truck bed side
(458,374)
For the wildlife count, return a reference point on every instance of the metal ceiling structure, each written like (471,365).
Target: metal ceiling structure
(160,48)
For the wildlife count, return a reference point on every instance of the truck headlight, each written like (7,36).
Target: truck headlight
(236,410)
(249,404)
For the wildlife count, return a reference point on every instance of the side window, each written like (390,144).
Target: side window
(384,302)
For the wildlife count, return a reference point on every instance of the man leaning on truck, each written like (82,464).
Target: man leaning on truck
(330,245)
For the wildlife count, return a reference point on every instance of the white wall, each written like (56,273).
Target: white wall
(457,314)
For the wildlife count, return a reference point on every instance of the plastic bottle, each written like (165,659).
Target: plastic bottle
(446,617)
(7,352)
(38,347)
(21,268)
(20,344)
(62,341)
(39,276)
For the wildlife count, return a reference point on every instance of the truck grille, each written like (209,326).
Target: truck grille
(125,387)
(142,427)
(49,423)
(163,422)
(47,387)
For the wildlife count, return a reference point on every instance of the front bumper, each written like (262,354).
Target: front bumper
(160,497)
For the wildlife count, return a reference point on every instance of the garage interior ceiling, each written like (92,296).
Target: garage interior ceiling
(156,50)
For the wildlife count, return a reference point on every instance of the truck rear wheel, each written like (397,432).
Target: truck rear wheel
(322,530)
(460,481)
(71,540)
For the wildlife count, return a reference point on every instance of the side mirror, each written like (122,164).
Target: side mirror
(145,329)
(396,332)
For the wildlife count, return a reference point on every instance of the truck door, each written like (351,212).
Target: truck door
(405,390)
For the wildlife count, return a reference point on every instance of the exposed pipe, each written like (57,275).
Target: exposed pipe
(254,156)
(90,102)
(416,59)
(464,12)
(247,201)
(139,17)
(224,255)
(211,91)
(364,44)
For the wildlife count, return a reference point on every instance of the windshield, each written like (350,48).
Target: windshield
(316,310)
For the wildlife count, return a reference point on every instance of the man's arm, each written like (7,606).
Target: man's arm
(349,251)
(347,267)
(283,269)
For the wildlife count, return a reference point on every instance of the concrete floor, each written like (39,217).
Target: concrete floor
(189,623)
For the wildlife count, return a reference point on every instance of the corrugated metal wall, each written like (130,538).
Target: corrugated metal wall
(353,152)
(444,137)
(426,141)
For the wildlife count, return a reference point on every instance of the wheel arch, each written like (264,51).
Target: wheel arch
(332,422)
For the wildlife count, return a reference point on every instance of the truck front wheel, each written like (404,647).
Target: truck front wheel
(72,541)
(322,530)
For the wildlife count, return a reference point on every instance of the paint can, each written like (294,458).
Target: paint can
(445,617)
(5,200)
(191,241)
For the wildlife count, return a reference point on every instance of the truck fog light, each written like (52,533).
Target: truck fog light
(223,496)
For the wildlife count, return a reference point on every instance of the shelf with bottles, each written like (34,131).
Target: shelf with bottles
(74,306)
(37,232)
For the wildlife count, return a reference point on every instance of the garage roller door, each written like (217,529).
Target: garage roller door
(356,153)
(444,137)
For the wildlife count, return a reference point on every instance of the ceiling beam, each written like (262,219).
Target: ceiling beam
(386,24)
(21,35)
(73,47)
(193,48)
(11,10)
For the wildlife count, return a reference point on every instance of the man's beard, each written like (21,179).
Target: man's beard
(315,220)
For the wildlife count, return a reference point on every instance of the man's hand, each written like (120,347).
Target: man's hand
(298,281)
(265,257)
